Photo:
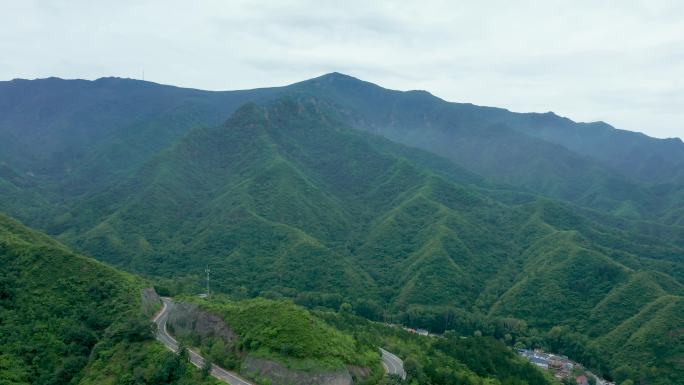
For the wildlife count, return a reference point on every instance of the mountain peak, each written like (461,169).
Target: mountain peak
(336,76)
(336,80)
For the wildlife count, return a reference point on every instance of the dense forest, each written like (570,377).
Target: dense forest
(85,324)
(528,229)
(68,319)
(449,359)
(280,331)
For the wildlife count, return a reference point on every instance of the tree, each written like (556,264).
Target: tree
(391,379)
(126,379)
(171,369)
(623,373)
(346,308)
(136,329)
(12,371)
(206,368)
(183,353)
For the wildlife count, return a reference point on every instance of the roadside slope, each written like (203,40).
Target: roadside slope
(70,319)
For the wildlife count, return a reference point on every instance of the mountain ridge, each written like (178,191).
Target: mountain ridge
(328,194)
(338,75)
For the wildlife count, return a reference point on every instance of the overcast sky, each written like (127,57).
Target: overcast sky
(617,61)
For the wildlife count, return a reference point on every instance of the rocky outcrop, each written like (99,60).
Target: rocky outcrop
(188,318)
(359,373)
(150,301)
(278,374)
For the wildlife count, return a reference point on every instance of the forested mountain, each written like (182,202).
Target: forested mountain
(80,135)
(68,319)
(309,192)
(286,200)
(66,138)
(592,165)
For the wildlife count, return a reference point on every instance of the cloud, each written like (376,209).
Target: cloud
(617,61)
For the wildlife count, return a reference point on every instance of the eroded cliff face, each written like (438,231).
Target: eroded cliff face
(187,318)
(278,374)
(150,301)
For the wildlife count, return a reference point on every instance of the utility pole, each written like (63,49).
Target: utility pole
(207,271)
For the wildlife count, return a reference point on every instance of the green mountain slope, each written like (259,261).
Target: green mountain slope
(65,318)
(649,345)
(304,198)
(572,277)
(590,164)
(276,193)
(74,137)
(77,136)
(285,200)
(630,153)
(282,332)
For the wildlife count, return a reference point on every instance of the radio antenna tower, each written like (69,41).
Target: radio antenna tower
(207,271)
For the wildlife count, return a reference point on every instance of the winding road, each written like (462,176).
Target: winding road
(393,364)
(197,360)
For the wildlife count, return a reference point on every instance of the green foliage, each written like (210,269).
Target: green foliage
(651,341)
(13,370)
(288,333)
(285,201)
(444,360)
(290,201)
(66,319)
(206,368)
(56,305)
(124,363)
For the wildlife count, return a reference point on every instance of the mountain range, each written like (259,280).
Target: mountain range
(334,190)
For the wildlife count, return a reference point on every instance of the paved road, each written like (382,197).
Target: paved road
(393,364)
(197,360)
